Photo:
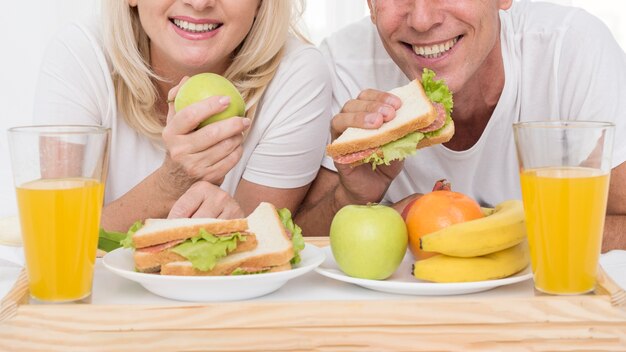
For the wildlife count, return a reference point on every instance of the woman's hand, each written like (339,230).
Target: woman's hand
(208,153)
(205,200)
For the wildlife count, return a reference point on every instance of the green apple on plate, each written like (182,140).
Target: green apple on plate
(368,241)
(206,85)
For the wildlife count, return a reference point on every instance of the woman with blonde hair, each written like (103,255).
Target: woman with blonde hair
(124,72)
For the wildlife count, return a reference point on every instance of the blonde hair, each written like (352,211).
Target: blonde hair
(254,64)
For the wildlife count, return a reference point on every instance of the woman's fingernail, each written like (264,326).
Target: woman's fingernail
(224,100)
(371,119)
(246,122)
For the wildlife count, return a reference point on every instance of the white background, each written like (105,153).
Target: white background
(27,26)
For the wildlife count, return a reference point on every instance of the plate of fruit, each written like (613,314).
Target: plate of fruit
(443,244)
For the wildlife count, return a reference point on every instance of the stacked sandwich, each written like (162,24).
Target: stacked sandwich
(266,241)
(424,119)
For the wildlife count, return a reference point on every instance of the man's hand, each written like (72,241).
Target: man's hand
(205,200)
(361,184)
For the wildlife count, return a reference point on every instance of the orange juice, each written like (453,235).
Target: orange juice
(565,209)
(60,220)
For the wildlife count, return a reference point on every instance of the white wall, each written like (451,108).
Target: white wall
(25,29)
(27,26)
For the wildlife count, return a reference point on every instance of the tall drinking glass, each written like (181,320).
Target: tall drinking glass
(564,174)
(59,174)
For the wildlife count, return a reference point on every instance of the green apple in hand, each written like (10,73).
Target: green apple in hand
(368,241)
(206,85)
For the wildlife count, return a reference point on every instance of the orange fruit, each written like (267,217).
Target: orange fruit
(434,211)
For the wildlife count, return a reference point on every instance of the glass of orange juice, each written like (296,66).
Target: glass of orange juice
(564,174)
(59,174)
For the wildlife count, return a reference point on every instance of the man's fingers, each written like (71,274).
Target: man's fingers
(381,97)
(370,106)
(368,120)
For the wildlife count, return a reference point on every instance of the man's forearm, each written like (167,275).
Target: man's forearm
(322,202)
(315,217)
(614,233)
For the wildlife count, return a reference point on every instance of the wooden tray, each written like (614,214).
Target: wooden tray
(535,323)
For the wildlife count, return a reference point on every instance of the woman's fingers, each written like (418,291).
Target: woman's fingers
(205,200)
(188,203)
(171,95)
(190,117)
(212,134)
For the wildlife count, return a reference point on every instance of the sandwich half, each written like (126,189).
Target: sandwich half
(274,250)
(424,119)
(201,241)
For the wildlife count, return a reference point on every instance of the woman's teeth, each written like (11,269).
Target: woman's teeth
(434,51)
(195,27)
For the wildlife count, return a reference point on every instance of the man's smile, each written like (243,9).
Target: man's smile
(433,51)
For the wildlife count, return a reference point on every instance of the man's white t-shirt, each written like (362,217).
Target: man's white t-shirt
(283,148)
(559,62)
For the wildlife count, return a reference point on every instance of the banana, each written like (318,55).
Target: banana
(443,268)
(501,228)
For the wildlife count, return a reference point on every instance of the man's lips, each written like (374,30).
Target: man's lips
(435,50)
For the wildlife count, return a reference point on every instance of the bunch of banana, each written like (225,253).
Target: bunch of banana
(483,249)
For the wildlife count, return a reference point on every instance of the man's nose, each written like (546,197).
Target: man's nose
(424,15)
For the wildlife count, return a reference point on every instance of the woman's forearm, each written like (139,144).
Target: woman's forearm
(151,198)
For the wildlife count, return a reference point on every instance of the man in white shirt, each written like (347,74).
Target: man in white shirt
(505,62)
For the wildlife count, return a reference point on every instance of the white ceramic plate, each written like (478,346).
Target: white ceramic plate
(403,282)
(210,288)
(10,233)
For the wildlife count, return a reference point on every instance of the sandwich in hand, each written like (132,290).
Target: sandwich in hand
(267,241)
(422,120)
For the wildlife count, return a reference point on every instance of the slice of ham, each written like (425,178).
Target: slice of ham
(160,247)
(354,157)
(439,121)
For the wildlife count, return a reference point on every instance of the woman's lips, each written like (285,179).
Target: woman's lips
(195,30)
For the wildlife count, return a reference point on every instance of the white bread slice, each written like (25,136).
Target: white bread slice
(416,112)
(157,231)
(150,262)
(274,247)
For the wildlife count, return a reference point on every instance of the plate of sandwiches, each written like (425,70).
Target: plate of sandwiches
(203,260)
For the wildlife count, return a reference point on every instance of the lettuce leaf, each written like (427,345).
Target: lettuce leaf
(296,234)
(437,91)
(109,240)
(127,242)
(396,150)
(240,271)
(205,250)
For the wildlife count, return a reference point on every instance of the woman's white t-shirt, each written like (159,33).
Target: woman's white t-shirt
(559,62)
(283,148)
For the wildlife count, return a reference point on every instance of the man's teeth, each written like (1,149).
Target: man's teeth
(434,51)
(195,27)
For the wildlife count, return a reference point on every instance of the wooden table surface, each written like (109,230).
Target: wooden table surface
(535,323)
